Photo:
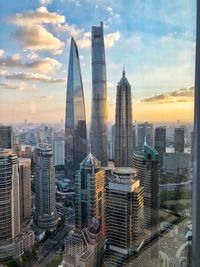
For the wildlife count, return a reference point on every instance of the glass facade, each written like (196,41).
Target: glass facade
(99,117)
(75,118)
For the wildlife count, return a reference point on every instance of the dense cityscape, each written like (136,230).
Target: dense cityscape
(96,193)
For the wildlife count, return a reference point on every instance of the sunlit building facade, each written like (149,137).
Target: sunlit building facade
(75,117)
(125,216)
(85,246)
(146,162)
(99,117)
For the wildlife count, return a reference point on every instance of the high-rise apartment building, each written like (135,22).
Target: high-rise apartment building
(75,117)
(146,162)
(9,203)
(99,116)
(160,142)
(25,189)
(145,131)
(45,199)
(123,124)
(179,139)
(125,215)
(6,137)
(85,246)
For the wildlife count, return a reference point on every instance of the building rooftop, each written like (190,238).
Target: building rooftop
(90,160)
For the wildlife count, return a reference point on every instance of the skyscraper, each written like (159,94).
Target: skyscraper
(99,116)
(75,118)
(25,189)
(125,215)
(45,213)
(123,124)
(145,130)
(6,137)
(59,151)
(160,142)
(90,194)
(179,139)
(9,203)
(85,246)
(145,160)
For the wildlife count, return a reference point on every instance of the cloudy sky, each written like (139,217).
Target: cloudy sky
(155,40)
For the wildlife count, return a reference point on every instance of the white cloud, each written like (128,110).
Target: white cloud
(111,39)
(36,38)
(45,2)
(39,16)
(44,65)
(2,52)
(28,76)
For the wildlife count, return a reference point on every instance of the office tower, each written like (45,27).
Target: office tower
(145,130)
(99,116)
(6,137)
(25,189)
(75,118)
(179,139)
(145,160)
(45,203)
(85,246)
(160,142)
(9,203)
(123,124)
(125,215)
(90,194)
(59,151)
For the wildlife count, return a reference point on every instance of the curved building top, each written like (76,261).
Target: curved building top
(146,150)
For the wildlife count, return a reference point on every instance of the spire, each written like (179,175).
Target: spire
(123,73)
(145,140)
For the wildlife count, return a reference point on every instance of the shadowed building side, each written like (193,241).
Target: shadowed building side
(99,116)
(75,117)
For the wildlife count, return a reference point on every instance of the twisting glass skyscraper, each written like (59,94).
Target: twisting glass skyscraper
(99,118)
(75,118)
(123,124)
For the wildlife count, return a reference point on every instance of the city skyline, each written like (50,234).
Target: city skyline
(33,85)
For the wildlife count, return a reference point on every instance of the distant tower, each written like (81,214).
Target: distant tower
(9,203)
(75,118)
(179,139)
(145,160)
(160,142)
(123,124)
(145,130)
(125,215)
(6,137)
(90,194)
(99,116)
(45,214)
